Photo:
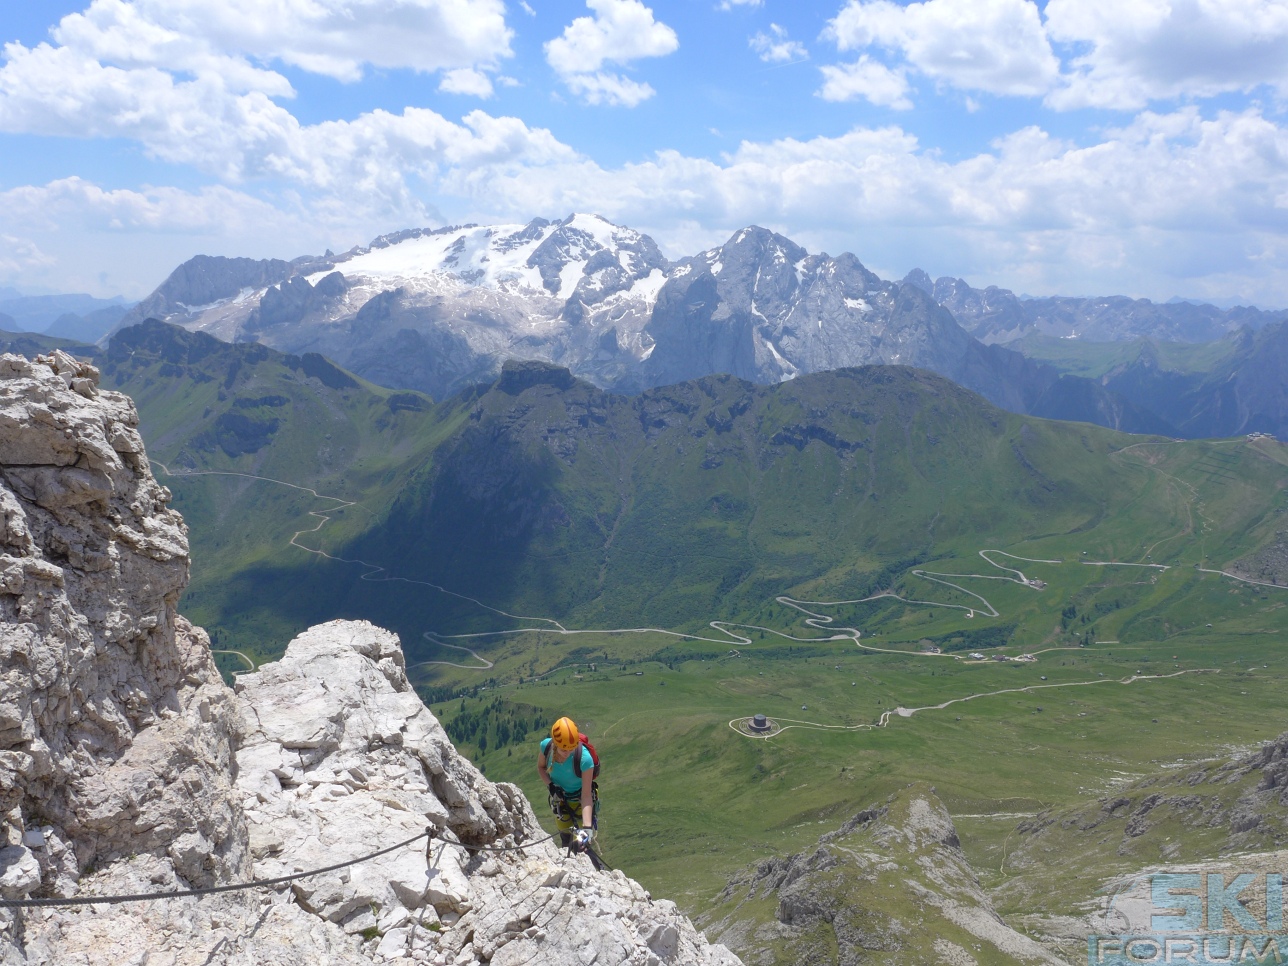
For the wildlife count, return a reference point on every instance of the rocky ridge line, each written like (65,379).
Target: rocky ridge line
(126,765)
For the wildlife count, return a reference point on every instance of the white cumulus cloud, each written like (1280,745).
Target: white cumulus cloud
(1168,203)
(603,87)
(1191,201)
(868,79)
(1115,55)
(332,37)
(997,46)
(776,47)
(238,136)
(1149,50)
(73,235)
(620,31)
(20,258)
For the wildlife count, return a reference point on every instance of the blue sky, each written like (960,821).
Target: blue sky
(1071,146)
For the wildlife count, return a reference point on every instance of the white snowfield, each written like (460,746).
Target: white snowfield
(498,257)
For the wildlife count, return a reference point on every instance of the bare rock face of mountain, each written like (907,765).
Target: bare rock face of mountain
(207,280)
(762,308)
(337,753)
(891,886)
(1226,815)
(127,766)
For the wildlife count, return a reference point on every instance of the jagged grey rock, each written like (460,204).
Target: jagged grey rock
(119,744)
(111,707)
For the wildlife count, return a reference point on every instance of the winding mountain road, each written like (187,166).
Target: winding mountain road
(250,665)
(732,632)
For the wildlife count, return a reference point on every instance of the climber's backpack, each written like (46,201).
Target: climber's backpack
(576,762)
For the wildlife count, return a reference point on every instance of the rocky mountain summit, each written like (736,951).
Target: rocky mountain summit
(127,766)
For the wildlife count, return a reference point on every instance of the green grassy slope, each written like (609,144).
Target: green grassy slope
(705,500)
(216,416)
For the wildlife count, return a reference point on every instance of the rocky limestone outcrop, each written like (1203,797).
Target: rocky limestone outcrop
(890,886)
(338,755)
(127,766)
(1224,815)
(111,712)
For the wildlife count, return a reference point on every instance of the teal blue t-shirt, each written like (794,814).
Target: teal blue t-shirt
(561,772)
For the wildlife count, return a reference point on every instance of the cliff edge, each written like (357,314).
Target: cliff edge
(127,766)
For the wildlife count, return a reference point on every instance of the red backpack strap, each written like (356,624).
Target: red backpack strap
(594,759)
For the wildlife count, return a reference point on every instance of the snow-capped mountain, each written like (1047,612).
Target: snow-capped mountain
(438,310)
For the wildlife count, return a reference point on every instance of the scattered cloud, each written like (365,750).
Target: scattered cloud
(466,80)
(611,89)
(75,202)
(1191,200)
(19,257)
(776,48)
(1170,202)
(868,79)
(237,137)
(730,4)
(620,31)
(997,46)
(73,235)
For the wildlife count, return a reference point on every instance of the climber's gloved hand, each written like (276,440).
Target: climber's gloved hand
(582,838)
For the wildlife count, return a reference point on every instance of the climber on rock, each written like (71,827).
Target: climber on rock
(566,761)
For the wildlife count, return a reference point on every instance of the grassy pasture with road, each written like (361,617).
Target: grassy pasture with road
(682,783)
(520,512)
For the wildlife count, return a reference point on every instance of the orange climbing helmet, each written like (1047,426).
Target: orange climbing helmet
(564,734)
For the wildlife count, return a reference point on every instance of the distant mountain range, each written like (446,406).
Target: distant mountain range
(80,317)
(997,315)
(1242,389)
(440,310)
